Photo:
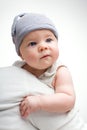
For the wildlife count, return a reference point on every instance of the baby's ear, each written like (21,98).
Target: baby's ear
(21,56)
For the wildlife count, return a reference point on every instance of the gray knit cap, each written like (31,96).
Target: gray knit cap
(27,22)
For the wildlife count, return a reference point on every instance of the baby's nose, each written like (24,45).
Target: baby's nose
(43,47)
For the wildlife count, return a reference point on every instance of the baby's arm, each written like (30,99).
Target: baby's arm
(61,101)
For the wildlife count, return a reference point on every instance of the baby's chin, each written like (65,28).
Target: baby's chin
(45,66)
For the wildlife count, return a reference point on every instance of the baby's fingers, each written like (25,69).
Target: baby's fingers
(25,113)
(23,108)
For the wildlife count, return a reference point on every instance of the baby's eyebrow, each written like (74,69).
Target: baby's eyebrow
(49,35)
(30,39)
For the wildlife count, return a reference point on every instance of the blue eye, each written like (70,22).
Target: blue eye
(48,40)
(32,43)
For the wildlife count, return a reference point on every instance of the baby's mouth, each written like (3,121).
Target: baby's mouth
(47,55)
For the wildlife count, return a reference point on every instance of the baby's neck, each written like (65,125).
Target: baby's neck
(34,71)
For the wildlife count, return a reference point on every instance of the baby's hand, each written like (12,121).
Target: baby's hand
(29,104)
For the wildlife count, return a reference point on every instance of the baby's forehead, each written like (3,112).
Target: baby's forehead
(39,33)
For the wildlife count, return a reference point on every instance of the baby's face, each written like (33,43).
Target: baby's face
(39,49)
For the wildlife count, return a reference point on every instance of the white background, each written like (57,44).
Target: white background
(70,18)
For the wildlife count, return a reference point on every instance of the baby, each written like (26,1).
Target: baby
(36,41)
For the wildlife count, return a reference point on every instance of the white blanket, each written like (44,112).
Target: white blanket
(16,83)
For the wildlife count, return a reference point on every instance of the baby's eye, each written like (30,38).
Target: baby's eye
(32,43)
(48,40)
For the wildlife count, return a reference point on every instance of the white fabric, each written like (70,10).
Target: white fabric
(16,83)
